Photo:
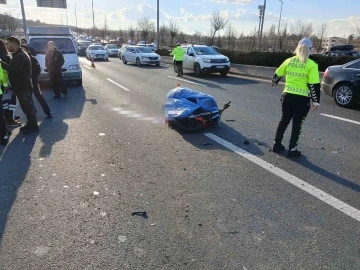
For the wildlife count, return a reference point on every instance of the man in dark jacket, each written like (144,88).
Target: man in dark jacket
(32,50)
(19,72)
(36,70)
(54,60)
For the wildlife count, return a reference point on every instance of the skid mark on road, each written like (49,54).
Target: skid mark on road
(340,118)
(319,194)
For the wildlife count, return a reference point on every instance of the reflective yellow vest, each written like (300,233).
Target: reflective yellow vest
(298,75)
(179,53)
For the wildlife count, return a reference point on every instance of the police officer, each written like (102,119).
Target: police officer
(302,85)
(179,57)
(4,134)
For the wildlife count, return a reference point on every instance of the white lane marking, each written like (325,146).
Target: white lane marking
(87,67)
(154,120)
(117,84)
(321,195)
(186,81)
(340,118)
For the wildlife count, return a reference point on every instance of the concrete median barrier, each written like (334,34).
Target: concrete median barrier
(245,70)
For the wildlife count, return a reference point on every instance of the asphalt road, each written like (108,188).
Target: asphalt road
(68,193)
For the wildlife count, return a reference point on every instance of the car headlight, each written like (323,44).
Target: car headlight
(74,67)
(207,60)
(227,60)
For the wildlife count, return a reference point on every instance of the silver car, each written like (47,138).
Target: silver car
(112,49)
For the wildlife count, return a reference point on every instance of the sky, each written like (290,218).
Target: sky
(194,15)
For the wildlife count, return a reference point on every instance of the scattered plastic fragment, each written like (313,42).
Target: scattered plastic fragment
(102,134)
(96,193)
(66,186)
(334,152)
(140,213)
(230,120)
(121,238)
(103,175)
(153,224)
(103,214)
(92,242)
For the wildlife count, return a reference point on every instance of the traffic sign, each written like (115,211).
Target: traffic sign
(51,3)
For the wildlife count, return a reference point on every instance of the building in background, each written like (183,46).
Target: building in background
(333,41)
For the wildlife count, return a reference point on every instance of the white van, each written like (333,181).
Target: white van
(38,37)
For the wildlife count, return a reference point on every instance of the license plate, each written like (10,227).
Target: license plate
(220,66)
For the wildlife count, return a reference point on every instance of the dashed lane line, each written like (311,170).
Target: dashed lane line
(119,85)
(340,118)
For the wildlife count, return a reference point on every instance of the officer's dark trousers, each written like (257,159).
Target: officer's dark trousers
(3,129)
(57,82)
(9,106)
(27,106)
(294,107)
(37,93)
(179,65)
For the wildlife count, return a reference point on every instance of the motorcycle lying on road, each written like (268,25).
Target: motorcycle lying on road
(192,111)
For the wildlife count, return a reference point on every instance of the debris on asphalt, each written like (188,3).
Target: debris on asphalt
(103,175)
(234,232)
(246,142)
(334,152)
(259,143)
(54,174)
(230,120)
(140,213)
(322,148)
(102,134)
(92,242)
(103,214)
(121,238)
(96,193)
(153,224)
(207,144)
(66,186)
(270,150)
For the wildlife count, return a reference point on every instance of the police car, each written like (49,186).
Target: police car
(203,59)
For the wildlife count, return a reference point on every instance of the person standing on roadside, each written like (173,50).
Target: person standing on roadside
(9,99)
(36,70)
(4,133)
(19,72)
(32,50)
(179,57)
(302,85)
(54,60)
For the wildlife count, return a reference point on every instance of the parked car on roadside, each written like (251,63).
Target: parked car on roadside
(96,52)
(203,59)
(112,49)
(342,82)
(140,55)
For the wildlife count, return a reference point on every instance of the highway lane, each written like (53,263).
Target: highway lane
(208,207)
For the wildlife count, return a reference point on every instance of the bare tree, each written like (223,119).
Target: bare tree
(163,32)
(321,33)
(230,36)
(131,32)
(283,36)
(302,29)
(174,31)
(218,22)
(351,39)
(146,27)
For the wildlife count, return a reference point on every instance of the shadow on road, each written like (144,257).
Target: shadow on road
(333,177)
(15,162)
(225,132)
(15,158)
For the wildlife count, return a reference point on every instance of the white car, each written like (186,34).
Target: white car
(96,52)
(203,59)
(140,55)
(112,49)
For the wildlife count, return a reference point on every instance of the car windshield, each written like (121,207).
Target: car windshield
(113,47)
(96,48)
(205,51)
(83,43)
(65,45)
(143,50)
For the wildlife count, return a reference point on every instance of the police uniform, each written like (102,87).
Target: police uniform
(179,57)
(4,134)
(302,85)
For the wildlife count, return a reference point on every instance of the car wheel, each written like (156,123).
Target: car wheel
(197,70)
(175,67)
(345,96)
(124,60)
(223,73)
(79,82)
(138,63)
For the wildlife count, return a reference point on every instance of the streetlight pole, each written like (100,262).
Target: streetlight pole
(262,24)
(158,26)
(75,15)
(92,3)
(279,23)
(23,15)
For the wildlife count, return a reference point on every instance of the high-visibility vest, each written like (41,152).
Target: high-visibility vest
(298,75)
(179,53)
